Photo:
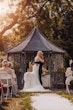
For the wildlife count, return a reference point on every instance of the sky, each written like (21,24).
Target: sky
(5,8)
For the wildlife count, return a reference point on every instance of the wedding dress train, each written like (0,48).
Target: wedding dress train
(31,81)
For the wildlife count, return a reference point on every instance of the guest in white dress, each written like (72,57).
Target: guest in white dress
(7,70)
(69,76)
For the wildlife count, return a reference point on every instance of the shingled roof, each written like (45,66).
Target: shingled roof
(35,42)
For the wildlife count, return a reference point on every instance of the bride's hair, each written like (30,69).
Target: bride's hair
(40,53)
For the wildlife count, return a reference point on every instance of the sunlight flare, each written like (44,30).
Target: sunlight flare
(7,6)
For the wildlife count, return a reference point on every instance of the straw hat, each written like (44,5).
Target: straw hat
(4,63)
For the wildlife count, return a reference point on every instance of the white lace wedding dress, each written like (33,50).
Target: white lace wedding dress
(31,81)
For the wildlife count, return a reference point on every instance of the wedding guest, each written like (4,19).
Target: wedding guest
(19,74)
(14,79)
(69,71)
(7,70)
(69,76)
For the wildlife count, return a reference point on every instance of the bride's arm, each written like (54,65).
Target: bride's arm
(38,58)
(41,59)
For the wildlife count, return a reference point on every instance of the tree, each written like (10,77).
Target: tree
(53,17)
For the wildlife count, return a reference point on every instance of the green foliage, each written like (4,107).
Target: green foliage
(63,94)
(53,17)
(26,102)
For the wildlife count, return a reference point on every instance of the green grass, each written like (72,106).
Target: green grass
(26,101)
(64,94)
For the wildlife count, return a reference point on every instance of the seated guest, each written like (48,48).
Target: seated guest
(69,76)
(7,70)
(14,79)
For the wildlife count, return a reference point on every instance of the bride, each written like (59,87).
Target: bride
(32,80)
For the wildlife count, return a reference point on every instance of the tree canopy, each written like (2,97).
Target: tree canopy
(53,17)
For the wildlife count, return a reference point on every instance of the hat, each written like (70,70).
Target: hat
(4,62)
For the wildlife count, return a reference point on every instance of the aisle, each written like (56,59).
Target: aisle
(51,101)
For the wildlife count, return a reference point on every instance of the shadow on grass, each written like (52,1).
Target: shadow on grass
(4,104)
(1,108)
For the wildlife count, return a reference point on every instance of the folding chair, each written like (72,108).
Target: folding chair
(1,93)
(7,88)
